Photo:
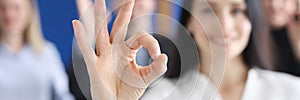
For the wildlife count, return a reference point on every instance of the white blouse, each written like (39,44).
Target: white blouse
(260,85)
(29,76)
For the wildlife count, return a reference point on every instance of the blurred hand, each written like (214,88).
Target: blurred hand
(294,32)
(113,71)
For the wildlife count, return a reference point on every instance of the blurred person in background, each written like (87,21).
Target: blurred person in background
(30,67)
(240,79)
(284,24)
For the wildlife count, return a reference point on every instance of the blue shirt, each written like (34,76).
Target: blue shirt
(28,75)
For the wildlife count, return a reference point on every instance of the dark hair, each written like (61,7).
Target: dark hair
(257,52)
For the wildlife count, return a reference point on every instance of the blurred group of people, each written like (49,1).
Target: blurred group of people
(262,34)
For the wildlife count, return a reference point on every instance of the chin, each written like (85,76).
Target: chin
(279,23)
(232,54)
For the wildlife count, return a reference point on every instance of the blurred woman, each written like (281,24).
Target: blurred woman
(115,75)
(243,24)
(30,67)
(284,24)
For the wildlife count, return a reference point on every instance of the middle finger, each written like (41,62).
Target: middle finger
(121,24)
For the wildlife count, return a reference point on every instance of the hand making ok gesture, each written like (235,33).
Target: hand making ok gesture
(112,69)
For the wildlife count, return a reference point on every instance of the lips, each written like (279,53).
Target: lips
(7,22)
(222,40)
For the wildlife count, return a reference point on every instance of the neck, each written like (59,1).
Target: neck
(231,73)
(15,42)
(236,73)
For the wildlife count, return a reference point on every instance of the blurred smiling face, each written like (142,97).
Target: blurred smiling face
(235,29)
(279,12)
(14,16)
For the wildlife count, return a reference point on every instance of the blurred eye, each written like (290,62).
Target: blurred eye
(238,11)
(1,8)
(207,11)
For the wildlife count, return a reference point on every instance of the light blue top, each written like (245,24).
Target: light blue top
(31,76)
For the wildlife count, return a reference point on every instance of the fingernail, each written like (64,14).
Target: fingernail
(74,24)
(155,56)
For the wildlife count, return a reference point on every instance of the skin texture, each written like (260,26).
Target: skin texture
(112,69)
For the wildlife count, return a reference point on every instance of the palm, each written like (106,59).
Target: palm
(112,70)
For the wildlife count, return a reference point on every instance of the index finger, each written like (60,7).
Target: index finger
(120,26)
(144,39)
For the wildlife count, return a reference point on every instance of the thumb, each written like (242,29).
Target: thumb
(155,70)
(141,77)
(159,65)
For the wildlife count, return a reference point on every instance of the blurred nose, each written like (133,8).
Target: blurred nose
(226,23)
(276,4)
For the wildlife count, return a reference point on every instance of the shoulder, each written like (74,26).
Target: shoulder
(50,54)
(277,80)
(275,76)
(50,50)
(49,46)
